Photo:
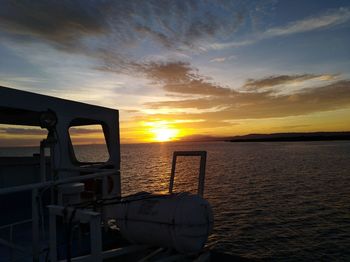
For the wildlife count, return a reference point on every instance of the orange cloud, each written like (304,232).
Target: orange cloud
(229,104)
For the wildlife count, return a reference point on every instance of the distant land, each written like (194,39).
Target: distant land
(292,137)
(276,137)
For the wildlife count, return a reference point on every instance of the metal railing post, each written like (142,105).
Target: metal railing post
(42,161)
(104,196)
(95,238)
(35,225)
(11,241)
(202,173)
(53,237)
(172,175)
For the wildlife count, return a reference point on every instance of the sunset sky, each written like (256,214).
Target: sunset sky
(186,68)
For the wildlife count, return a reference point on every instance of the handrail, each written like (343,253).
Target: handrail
(16,189)
(201,178)
(34,187)
(16,223)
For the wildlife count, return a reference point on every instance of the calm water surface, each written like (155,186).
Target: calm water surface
(273,201)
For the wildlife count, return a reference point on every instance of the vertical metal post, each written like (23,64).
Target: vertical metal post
(35,225)
(202,174)
(53,237)
(172,175)
(104,196)
(52,174)
(42,161)
(11,241)
(95,238)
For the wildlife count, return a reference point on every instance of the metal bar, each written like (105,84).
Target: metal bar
(151,255)
(42,161)
(16,224)
(35,226)
(52,174)
(14,246)
(11,241)
(96,238)
(94,220)
(83,215)
(204,257)
(123,251)
(177,257)
(190,153)
(53,237)
(172,176)
(202,173)
(85,169)
(201,178)
(104,208)
(112,253)
(29,187)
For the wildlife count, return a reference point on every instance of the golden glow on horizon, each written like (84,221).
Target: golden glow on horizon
(160,131)
(152,129)
(164,134)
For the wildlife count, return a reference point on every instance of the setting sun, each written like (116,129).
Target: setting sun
(164,134)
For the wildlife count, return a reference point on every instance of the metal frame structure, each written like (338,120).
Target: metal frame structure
(203,161)
(57,116)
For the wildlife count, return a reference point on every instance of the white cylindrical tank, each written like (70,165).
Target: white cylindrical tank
(180,221)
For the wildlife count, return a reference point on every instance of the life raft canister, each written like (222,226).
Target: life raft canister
(181,221)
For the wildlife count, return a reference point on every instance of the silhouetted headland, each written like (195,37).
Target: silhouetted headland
(292,137)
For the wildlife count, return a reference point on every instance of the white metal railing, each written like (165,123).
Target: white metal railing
(29,187)
(10,243)
(201,178)
(35,187)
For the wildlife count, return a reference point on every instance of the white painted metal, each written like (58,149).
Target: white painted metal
(84,216)
(68,113)
(69,194)
(180,221)
(201,178)
(35,225)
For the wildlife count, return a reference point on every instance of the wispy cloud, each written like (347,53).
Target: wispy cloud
(272,81)
(329,19)
(113,30)
(214,102)
(263,105)
(323,21)
(222,59)
(180,77)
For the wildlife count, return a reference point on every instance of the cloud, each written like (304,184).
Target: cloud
(23,131)
(222,59)
(84,131)
(216,103)
(326,20)
(112,30)
(63,23)
(272,81)
(179,77)
(264,105)
(323,21)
